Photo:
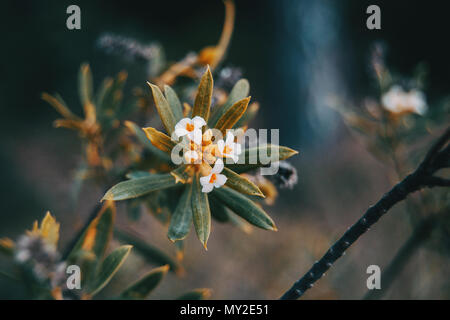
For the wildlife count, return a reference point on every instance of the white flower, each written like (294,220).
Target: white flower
(214,179)
(229,148)
(396,100)
(192,128)
(192,156)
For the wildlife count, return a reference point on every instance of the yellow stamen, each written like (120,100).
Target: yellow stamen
(227,149)
(189,127)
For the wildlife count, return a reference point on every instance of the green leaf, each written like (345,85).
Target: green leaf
(150,253)
(109,98)
(138,174)
(159,204)
(142,288)
(164,110)
(174,102)
(201,211)
(181,174)
(85,84)
(196,294)
(241,184)
(160,140)
(232,115)
(7,246)
(222,214)
(239,92)
(98,234)
(256,157)
(103,93)
(134,209)
(138,187)
(202,101)
(108,268)
(142,137)
(249,115)
(245,208)
(218,211)
(181,221)
(58,103)
(239,222)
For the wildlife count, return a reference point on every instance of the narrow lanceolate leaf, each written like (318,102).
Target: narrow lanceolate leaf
(58,103)
(151,254)
(181,174)
(261,156)
(196,294)
(164,110)
(174,102)
(244,207)
(138,187)
(142,288)
(98,234)
(108,269)
(6,246)
(159,139)
(138,174)
(249,115)
(218,211)
(201,212)
(103,92)
(181,221)
(232,115)
(202,101)
(145,140)
(85,84)
(239,92)
(222,214)
(241,184)
(240,223)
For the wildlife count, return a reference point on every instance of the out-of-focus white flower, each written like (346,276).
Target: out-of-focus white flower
(229,148)
(396,100)
(192,128)
(214,179)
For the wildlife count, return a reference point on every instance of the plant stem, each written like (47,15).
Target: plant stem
(420,235)
(422,177)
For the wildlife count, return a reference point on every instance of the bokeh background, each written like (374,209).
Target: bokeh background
(295,54)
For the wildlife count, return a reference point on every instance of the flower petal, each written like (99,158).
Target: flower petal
(196,136)
(218,166)
(237,149)
(234,157)
(180,132)
(207,188)
(220,180)
(198,122)
(205,180)
(230,138)
(182,123)
(221,145)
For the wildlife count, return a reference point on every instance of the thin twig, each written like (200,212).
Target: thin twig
(420,235)
(413,182)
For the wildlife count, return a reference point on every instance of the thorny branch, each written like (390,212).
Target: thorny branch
(438,157)
(421,234)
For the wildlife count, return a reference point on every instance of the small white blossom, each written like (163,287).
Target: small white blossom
(192,128)
(214,179)
(192,156)
(229,148)
(396,100)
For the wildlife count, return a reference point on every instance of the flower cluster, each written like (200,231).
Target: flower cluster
(398,101)
(210,170)
(200,149)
